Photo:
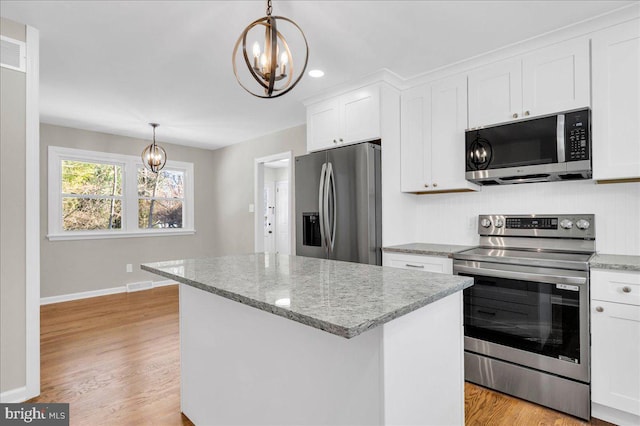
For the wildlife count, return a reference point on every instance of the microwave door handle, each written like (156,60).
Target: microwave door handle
(323,172)
(560,135)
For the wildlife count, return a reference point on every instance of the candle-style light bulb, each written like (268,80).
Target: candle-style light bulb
(284,58)
(256,49)
(263,62)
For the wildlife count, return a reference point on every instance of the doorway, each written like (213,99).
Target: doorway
(273,204)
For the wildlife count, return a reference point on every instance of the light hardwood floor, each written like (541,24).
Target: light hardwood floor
(116,360)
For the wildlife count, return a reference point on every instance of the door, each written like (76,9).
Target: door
(360,115)
(323,125)
(556,78)
(351,199)
(282,217)
(415,149)
(309,227)
(495,93)
(615,349)
(616,103)
(448,123)
(269,218)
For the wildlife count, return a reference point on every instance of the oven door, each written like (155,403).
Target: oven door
(535,317)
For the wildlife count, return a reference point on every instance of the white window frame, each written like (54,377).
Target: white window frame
(130,165)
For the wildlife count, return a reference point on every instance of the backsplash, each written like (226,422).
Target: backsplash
(452,218)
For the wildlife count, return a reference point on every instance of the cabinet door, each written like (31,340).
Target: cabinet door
(448,123)
(616,102)
(415,155)
(556,78)
(495,93)
(323,121)
(360,115)
(615,353)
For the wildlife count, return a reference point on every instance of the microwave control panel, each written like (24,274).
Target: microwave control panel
(578,135)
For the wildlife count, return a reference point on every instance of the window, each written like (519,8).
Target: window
(101,195)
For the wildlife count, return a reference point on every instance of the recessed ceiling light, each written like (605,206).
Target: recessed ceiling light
(316,73)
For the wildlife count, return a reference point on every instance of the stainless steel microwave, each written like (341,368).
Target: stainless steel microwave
(550,148)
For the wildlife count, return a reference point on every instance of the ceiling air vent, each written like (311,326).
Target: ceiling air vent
(13,54)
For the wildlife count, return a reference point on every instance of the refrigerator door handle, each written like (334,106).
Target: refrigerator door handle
(334,216)
(321,217)
(325,208)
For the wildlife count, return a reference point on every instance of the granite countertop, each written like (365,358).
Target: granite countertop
(341,298)
(444,250)
(615,261)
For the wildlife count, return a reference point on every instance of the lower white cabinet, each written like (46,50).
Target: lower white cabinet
(442,265)
(615,346)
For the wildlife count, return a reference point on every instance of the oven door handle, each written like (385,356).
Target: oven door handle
(524,276)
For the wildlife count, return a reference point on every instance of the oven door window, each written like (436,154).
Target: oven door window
(536,317)
(527,143)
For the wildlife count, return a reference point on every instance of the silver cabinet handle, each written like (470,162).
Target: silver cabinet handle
(341,140)
(527,113)
(599,309)
(426,185)
(435,184)
(321,202)
(626,289)
(515,115)
(335,141)
(414,266)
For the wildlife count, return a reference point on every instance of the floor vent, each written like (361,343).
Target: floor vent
(142,285)
(13,54)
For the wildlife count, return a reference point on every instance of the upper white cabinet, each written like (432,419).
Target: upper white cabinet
(349,118)
(545,81)
(616,102)
(495,93)
(433,121)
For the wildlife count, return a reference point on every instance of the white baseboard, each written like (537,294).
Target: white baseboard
(613,415)
(95,293)
(14,395)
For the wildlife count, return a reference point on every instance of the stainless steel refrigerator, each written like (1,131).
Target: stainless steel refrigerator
(338,204)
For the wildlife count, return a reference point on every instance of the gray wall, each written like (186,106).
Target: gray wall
(85,265)
(233,186)
(12,220)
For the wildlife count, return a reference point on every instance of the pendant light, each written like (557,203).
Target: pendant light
(154,157)
(271,65)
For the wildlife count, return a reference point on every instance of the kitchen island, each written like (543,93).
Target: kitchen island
(275,339)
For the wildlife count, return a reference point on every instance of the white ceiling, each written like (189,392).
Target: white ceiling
(114,66)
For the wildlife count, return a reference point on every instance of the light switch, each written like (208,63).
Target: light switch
(251,208)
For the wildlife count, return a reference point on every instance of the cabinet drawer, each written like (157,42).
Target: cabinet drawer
(437,264)
(618,286)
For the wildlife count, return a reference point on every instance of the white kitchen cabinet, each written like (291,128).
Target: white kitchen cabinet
(441,265)
(495,93)
(615,346)
(545,81)
(350,118)
(616,102)
(433,121)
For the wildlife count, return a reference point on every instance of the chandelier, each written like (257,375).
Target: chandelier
(154,157)
(272,67)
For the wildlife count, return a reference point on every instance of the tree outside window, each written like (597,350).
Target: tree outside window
(160,198)
(91,196)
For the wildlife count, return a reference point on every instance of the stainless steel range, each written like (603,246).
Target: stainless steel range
(527,314)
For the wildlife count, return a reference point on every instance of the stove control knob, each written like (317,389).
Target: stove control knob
(583,224)
(485,223)
(499,223)
(566,224)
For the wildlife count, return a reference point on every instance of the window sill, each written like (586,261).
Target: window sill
(99,235)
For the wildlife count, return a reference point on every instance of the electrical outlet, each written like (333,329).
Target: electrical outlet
(129,267)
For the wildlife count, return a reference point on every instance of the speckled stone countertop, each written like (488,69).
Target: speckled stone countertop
(341,298)
(443,250)
(615,261)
